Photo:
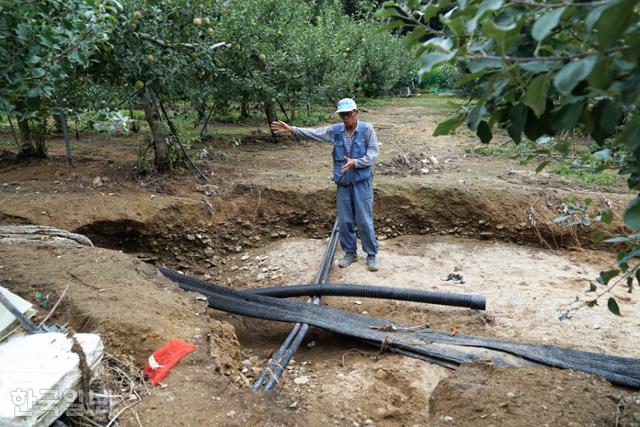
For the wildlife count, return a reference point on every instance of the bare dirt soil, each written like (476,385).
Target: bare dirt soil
(262,219)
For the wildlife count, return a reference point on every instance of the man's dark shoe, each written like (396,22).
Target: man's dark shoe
(347,260)
(372,263)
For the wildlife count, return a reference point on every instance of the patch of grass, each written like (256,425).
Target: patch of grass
(444,103)
(493,150)
(5,143)
(605,178)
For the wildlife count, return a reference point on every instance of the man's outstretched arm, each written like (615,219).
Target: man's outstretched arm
(323,134)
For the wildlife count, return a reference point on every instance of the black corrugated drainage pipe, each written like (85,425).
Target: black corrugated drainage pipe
(370,291)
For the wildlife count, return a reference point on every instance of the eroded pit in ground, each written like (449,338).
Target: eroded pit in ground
(273,238)
(188,233)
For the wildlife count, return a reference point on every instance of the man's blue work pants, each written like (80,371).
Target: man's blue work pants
(354,203)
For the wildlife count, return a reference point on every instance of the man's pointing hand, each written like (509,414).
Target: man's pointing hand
(279,126)
(351,164)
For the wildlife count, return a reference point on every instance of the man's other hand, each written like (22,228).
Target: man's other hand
(279,126)
(351,164)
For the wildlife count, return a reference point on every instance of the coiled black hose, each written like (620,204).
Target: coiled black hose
(477,302)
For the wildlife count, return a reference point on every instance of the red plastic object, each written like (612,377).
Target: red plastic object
(161,361)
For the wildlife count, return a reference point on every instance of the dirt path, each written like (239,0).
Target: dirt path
(262,219)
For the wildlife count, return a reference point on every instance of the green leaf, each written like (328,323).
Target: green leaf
(592,287)
(592,303)
(484,132)
(614,20)
(478,65)
(448,126)
(38,72)
(546,23)
(537,67)
(442,43)
(618,239)
(627,256)
(601,75)
(517,118)
(606,276)
(612,305)
(573,73)
(638,276)
(597,237)
(502,34)
(432,59)
(486,6)
(632,214)
(536,96)
(542,165)
(566,117)
(606,216)
(475,115)
(631,134)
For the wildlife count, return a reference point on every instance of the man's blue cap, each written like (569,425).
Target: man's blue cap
(345,105)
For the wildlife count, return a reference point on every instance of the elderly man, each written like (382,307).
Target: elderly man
(355,149)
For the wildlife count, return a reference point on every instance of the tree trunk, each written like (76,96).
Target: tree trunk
(244,109)
(60,126)
(160,146)
(270,112)
(13,132)
(26,149)
(202,114)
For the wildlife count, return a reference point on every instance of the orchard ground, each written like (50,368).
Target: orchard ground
(262,219)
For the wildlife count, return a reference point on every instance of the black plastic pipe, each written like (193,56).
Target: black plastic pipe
(282,357)
(370,291)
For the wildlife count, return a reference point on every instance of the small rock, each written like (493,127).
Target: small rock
(636,417)
(97,182)
(260,277)
(447,419)
(311,344)
(301,380)
(511,395)
(357,302)
(231,414)
(244,257)
(294,405)
(424,171)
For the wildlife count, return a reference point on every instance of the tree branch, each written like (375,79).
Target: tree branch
(563,4)
(167,45)
(546,58)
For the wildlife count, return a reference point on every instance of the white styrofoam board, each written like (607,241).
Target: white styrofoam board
(8,322)
(39,376)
